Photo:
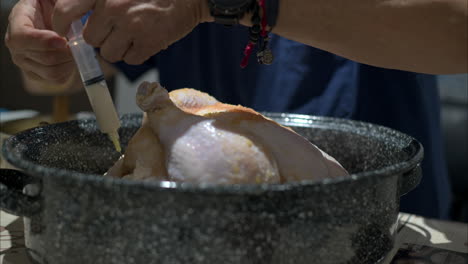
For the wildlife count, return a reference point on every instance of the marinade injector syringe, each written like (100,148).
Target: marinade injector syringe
(94,83)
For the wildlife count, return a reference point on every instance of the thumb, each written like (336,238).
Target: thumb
(67,11)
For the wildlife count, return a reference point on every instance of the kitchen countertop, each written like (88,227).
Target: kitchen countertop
(419,240)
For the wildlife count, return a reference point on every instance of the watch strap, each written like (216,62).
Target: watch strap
(229,16)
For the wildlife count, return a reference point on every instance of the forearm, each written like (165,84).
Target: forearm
(427,36)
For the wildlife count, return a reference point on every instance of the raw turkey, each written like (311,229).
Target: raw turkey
(188,136)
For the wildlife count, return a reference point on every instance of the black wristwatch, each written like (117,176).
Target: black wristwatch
(228,12)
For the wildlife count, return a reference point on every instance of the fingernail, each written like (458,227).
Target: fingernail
(58,43)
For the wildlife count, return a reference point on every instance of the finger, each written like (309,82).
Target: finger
(137,54)
(115,46)
(34,89)
(67,11)
(32,76)
(47,88)
(18,60)
(57,73)
(97,29)
(50,58)
(21,37)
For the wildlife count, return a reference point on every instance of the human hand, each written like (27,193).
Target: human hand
(39,52)
(131,30)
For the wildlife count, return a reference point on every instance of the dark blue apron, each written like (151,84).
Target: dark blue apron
(310,81)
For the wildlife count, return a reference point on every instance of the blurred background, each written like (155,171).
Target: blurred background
(453,98)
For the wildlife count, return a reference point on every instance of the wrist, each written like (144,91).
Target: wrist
(205,14)
(246,20)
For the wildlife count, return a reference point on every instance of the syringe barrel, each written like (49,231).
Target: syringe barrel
(94,82)
(84,55)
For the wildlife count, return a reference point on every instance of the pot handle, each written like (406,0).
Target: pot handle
(12,198)
(410,179)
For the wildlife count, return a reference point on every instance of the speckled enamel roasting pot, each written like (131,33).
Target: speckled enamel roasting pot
(75,215)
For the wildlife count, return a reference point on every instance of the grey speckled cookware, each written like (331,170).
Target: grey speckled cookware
(75,215)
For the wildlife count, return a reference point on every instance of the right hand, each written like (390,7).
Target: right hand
(39,52)
(131,30)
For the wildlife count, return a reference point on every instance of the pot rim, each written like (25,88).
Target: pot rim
(414,147)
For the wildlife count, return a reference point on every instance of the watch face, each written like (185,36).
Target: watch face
(230,4)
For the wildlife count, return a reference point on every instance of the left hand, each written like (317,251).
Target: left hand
(131,30)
